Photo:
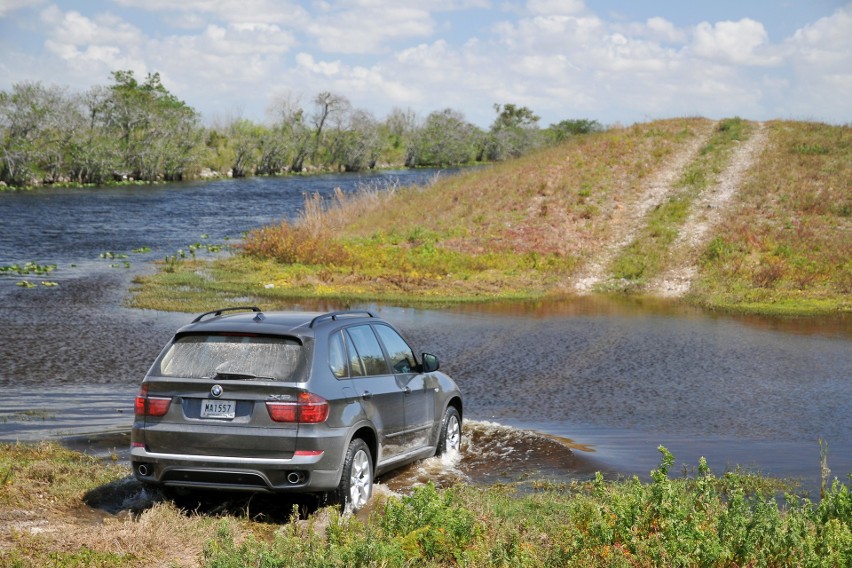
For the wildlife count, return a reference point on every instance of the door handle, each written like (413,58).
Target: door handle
(366,395)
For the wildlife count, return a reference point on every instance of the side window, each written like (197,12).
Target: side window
(367,351)
(337,356)
(401,357)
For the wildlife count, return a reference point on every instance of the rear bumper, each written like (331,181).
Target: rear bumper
(301,473)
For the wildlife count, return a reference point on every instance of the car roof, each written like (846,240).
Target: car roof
(272,323)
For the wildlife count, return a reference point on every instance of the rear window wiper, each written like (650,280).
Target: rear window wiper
(239,377)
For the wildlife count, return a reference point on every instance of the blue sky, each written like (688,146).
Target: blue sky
(613,61)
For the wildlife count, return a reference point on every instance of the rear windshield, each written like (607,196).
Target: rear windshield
(228,356)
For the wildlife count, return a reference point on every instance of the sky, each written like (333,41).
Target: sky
(617,62)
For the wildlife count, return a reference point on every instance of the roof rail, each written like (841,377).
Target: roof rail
(337,315)
(219,312)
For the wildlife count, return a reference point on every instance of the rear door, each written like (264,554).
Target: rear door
(418,390)
(381,395)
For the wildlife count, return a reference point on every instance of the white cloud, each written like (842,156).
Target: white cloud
(244,39)
(819,54)
(556,7)
(72,28)
(560,58)
(307,63)
(9,6)
(740,43)
(664,30)
(365,27)
(826,42)
(268,11)
(624,55)
(92,46)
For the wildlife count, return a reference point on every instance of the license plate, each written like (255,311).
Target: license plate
(218,409)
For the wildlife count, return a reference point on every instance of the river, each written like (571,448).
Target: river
(552,389)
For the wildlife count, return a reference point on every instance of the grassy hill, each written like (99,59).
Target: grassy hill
(729,214)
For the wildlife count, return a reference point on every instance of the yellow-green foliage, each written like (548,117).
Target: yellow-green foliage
(733,520)
(554,201)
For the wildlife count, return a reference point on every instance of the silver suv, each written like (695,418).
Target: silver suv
(290,402)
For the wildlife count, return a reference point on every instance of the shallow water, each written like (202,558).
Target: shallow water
(606,381)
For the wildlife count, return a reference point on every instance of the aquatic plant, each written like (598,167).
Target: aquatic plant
(28,268)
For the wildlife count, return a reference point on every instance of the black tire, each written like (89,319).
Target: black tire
(450,438)
(356,482)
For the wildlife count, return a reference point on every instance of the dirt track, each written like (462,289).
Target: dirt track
(706,213)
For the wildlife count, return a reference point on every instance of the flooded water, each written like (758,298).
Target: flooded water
(553,390)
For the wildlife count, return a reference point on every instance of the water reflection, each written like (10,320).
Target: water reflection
(626,306)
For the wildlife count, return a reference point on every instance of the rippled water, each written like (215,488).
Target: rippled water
(557,389)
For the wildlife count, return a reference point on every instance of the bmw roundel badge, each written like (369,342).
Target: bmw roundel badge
(216,391)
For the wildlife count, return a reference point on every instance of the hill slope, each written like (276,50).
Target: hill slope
(730,213)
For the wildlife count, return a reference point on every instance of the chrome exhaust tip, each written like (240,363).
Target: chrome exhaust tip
(295,477)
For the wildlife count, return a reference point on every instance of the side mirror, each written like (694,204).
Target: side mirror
(430,363)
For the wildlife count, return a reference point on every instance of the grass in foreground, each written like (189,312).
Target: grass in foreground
(697,520)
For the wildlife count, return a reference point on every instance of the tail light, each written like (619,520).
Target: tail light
(307,409)
(151,405)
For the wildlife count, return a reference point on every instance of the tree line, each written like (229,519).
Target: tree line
(132,129)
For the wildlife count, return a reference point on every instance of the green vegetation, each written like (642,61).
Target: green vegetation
(132,131)
(126,131)
(699,519)
(28,268)
(27,416)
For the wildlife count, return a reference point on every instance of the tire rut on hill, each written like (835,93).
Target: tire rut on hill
(707,212)
(656,190)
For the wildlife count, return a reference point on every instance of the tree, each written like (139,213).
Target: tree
(244,139)
(289,120)
(398,132)
(356,145)
(446,139)
(567,128)
(513,133)
(157,133)
(36,123)
(93,156)
(328,107)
